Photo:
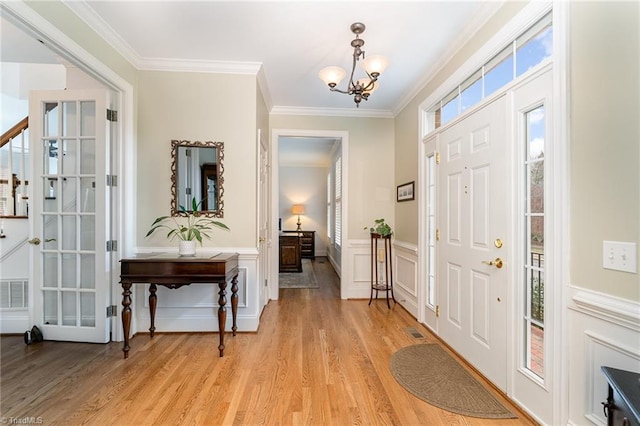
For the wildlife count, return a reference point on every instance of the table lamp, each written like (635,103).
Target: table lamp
(298,209)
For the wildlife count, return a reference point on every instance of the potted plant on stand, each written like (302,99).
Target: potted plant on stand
(381,228)
(195,229)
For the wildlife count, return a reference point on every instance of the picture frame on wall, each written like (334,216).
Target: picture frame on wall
(405,192)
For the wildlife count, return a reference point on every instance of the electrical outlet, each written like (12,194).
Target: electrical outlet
(619,256)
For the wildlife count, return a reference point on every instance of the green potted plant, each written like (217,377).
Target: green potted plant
(195,229)
(381,228)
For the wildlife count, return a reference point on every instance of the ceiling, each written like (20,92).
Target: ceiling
(289,41)
(292,41)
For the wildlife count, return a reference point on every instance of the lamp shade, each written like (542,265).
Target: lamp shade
(332,76)
(375,64)
(297,209)
(364,82)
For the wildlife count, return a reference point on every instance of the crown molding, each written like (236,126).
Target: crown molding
(89,16)
(332,112)
(198,65)
(480,19)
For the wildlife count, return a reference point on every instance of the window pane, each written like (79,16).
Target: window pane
(471,91)
(450,110)
(498,71)
(534,46)
(534,51)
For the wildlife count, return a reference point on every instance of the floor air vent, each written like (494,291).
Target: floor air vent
(414,333)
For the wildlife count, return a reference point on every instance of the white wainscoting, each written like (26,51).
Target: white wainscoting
(405,272)
(195,307)
(603,330)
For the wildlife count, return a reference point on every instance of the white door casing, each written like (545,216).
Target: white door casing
(71,202)
(263,220)
(472,260)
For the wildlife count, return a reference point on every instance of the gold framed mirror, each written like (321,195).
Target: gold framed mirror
(197,171)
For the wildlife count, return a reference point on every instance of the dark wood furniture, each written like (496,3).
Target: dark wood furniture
(290,253)
(381,261)
(622,406)
(307,243)
(173,271)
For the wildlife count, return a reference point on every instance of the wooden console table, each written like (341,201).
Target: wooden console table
(173,271)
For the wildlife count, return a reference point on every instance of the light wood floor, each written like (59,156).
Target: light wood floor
(316,360)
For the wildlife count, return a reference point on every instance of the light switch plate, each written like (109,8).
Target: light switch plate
(620,256)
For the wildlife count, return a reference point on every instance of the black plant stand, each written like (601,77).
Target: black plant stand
(379,281)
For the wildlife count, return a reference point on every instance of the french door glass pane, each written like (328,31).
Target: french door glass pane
(68,232)
(88,156)
(87,309)
(51,119)
(69,195)
(50,270)
(87,118)
(87,271)
(50,232)
(69,275)
(68,308)
(50,307)
(69,157)
(51,148)
(87,232)
(69,119)
(87,194)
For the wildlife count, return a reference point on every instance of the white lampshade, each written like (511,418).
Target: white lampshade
(364,81)
(375,63)
(332,75)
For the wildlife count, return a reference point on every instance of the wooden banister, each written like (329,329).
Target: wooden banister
(14,131)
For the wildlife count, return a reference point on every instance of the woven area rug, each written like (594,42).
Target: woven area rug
(304,279)
(431,374)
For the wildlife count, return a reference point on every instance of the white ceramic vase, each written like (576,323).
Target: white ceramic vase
(187,248)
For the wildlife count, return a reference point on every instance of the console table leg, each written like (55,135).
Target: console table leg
(234,303)
(153,303)
(222,315)
(126,316)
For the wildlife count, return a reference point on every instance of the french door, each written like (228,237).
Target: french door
(70,221)
(473,261)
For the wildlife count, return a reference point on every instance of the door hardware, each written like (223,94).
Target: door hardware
(497,263)
(35,241)
(498,243)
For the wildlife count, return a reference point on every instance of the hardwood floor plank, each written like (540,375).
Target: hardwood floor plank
(316,360)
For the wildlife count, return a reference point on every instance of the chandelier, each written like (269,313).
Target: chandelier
(373,65)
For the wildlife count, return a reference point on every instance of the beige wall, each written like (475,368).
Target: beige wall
(198,107)
(605,139)
(371,191)
(68,22)
(406,128)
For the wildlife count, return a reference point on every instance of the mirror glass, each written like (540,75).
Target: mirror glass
(197,172)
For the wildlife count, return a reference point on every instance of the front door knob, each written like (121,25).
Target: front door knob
(35,241)
(497,262)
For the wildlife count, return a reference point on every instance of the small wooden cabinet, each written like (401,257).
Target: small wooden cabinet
(307,243)
(622,406)
(290,259)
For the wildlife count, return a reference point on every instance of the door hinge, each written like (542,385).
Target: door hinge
(112,311)
(112,180)
(112,115)
(437,158)
(437,311)
(112,245)
(437,234)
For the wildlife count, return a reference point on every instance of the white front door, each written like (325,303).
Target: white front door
(71,271)
(472,260)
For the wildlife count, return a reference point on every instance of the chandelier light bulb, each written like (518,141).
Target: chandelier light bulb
(375,64)
(332,76)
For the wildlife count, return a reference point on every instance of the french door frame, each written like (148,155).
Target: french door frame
(124,210)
